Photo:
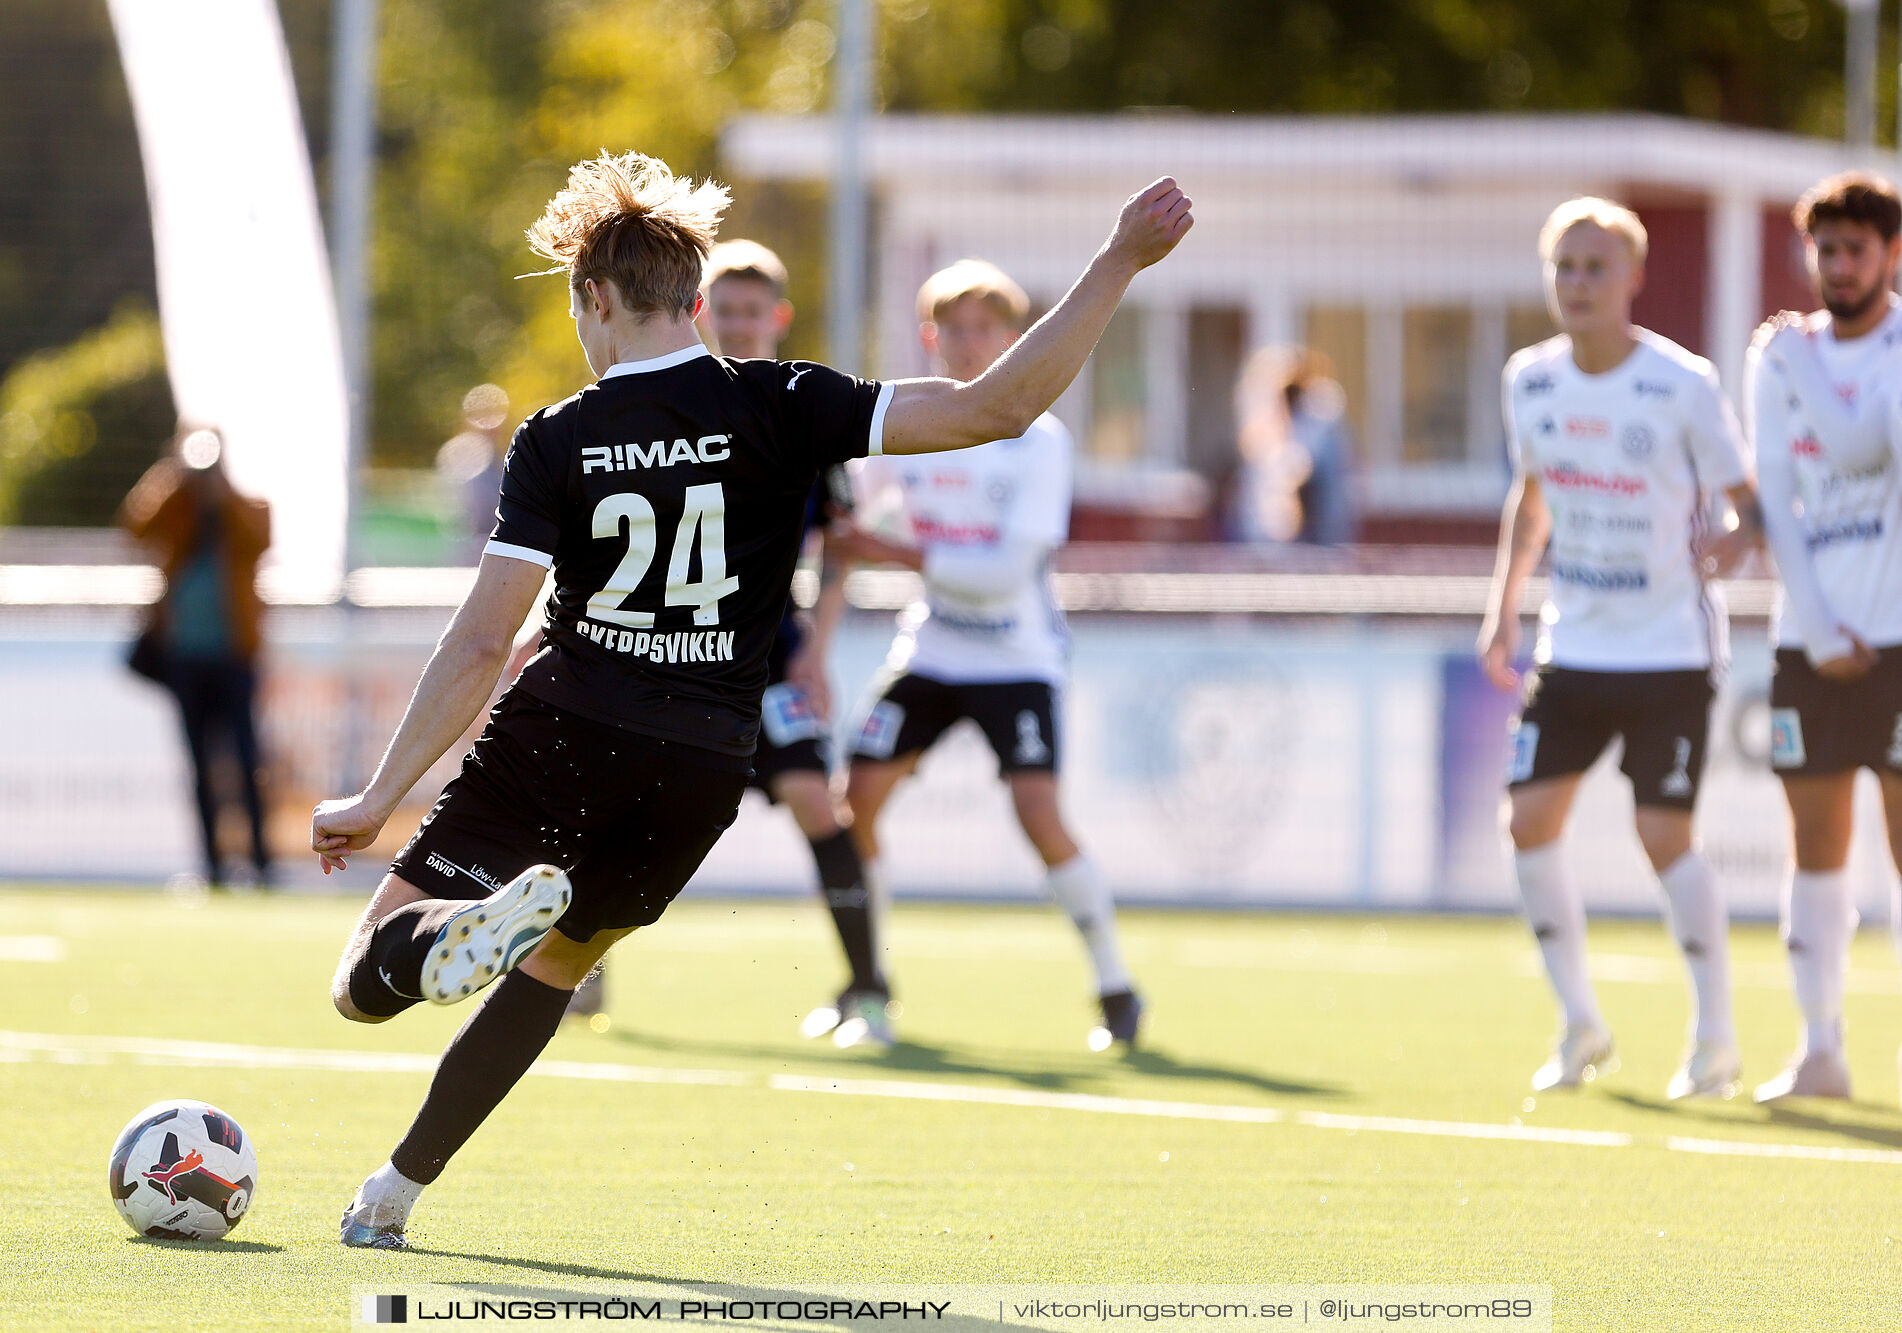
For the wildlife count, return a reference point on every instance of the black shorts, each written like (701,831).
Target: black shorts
(793,738)
(629,817)
(1821,726)
(1570,717)
(1018,718)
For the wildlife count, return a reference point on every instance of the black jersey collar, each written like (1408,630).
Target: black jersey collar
(675,358)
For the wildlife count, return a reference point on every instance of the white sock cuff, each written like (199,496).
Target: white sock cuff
(388,1185)
(1821,881)
(1078,870)
(1692,863)
(1540,861)
(1820,900)
(1697,906)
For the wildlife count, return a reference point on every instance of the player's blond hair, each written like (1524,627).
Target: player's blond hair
(974,277)
(630,221)
(745,259)
(1604,213)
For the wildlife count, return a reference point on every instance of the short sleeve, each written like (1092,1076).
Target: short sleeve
(1043,516)
(827,417)
(528,515)
(1716,440)
(1516,450)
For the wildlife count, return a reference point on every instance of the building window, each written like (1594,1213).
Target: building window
(1340,333)
(1436,357)
(1119,390)
(1527,324)
(1216,338)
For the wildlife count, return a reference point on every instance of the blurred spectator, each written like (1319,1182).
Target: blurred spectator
(204,631)
(1263,501)
(470,466)
(1317,416)
(1294,473)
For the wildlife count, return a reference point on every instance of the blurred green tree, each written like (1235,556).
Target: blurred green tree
(79,425)
(482,105)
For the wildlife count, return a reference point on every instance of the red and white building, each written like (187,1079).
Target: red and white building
(1403,247)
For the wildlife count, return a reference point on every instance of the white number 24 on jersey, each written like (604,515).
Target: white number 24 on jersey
(704,517)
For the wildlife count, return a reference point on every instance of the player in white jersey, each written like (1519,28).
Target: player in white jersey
(988,642)
(1822,399)
(1620,439)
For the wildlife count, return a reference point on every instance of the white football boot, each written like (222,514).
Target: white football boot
(374,1226)
(1583,1053)
(1710,1070)
(488,938)
(1809,1074)
(865,1020)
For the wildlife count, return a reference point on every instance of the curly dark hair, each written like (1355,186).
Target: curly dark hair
(1854,196)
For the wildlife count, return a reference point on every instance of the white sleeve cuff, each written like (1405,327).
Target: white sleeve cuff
(527,553)
(875,437)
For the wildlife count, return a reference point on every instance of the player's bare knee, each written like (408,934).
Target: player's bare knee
(1665,833)
(1531,829)
(810,802)
(340,997)
(1040,815)
(865,794)
(1536,812)
(816,821)
(1821,846)
(1048,835)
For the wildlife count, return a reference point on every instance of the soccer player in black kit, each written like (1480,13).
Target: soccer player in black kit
(668,499)
(747,313)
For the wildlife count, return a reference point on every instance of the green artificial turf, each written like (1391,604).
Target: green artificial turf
(757,1180)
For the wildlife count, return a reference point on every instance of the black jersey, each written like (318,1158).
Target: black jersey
(670,500)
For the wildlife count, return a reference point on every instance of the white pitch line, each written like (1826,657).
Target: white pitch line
(32,949)
(1259,1115)
(607,1073)
(208,1054)
(1067,1101)
(1465,1129)
(19,1047)
(1804,1151)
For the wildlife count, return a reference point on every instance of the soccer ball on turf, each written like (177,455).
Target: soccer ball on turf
(182,1170)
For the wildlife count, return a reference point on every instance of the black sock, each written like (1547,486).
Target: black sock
(849,899)
(478,1067)
(386,976)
